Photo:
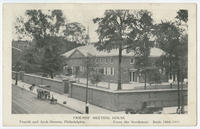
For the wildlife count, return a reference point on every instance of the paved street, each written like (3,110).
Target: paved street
(25,102)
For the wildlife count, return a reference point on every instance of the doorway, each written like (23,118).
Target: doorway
(132,77)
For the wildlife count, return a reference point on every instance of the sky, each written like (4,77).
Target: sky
(86,16)
(87,19)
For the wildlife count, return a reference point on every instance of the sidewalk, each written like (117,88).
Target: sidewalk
(71,103)
(172,110)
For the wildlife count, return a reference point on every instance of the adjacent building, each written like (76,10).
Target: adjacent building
(106,64)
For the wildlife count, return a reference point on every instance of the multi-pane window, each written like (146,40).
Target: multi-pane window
(109,71)
(132,61)
(102,60)
(107,60)
(97,60)
(101,70)
(82,68)
(93,59)
(111,60)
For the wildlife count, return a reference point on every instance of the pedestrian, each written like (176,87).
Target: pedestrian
(48,96)
(38,93)
(42,94)
(170,82)
(52,100)
(45,94)
(52,97)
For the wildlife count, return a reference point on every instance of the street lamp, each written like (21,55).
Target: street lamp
(86,100)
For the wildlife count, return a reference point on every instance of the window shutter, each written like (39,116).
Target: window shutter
(104,71)
(113,71)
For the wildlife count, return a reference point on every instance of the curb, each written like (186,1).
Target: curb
(70,108)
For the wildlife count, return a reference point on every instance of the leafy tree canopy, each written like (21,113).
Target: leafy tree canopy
(182,15)
(51,35)
(173,40)
(124,29)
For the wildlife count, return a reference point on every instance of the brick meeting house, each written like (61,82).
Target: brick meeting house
(106,64)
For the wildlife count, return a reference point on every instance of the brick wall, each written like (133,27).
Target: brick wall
(111,100)
(125,66)
(122,100)
(106,78)
(96,96)
(56,85)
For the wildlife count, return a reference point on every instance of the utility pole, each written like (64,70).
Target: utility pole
(86,94)
(87,76)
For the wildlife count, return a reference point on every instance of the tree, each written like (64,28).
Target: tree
(95,77)
(155,76)
(30,60)
(43,29)
(144,41)
(167,38)
(182,15)
(120,29)
(76,32)
(172,39)
(90,67)
(52,61)
(182,18)
(48,31)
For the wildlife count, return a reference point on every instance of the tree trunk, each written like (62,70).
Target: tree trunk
(145,65)
(119,67)
(145,80)
(178,81)
(182,95)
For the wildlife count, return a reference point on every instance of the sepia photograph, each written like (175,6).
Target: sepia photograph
(118,61)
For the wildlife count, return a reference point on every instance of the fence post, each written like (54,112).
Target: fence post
(70,87)
(66,85)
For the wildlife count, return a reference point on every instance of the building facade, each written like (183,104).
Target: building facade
(83,58)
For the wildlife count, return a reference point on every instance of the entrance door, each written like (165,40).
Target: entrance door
(132,77)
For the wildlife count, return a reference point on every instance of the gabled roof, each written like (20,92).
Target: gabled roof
(91,50)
